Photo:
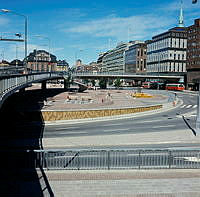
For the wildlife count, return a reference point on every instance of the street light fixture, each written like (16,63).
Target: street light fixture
(25,29)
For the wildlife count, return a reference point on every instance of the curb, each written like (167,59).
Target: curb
(165,107)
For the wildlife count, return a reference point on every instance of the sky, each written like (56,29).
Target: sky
(82,29)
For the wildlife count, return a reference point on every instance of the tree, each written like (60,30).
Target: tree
(117,83)
(103,83)
(93,82)
(68,81)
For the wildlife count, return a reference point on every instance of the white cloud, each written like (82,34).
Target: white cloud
(117,27)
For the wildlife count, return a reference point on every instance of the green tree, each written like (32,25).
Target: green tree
(68,81)
(93,82)
(117,83)
(103,83)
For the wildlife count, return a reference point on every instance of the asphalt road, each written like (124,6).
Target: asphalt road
(165,121)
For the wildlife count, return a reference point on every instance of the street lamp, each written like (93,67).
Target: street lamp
(25,30)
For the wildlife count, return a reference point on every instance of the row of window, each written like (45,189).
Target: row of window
(169,42)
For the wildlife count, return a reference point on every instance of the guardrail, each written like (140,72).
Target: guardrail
(117,159)
(10,83)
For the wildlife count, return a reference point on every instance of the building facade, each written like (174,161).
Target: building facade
(166,52)
(193,55)
(62,65)
(114,60)
(41,60)
(135,58)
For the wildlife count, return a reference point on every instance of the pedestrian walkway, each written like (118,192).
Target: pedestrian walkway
(130,183)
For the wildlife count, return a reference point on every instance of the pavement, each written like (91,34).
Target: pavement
(118,183)
(125,183)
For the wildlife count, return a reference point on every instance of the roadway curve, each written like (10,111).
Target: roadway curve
(165,129)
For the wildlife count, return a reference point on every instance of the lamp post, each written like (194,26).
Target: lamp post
(25,30)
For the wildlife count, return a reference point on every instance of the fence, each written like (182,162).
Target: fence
(117,159)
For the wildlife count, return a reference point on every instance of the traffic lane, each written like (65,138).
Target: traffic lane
(146,127)
(161,119)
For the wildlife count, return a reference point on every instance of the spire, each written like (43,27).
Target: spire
(181,19)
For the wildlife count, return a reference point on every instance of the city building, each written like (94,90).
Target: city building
(100,61)
(135,58)
(114,60)
(92,67)
(16,62)
(62,65)
(166,52)
(193,55)
(41,60)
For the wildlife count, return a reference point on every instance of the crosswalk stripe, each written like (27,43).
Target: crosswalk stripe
(194,106)
(189,106)
(182,106)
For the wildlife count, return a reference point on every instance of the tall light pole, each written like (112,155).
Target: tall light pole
(25,31)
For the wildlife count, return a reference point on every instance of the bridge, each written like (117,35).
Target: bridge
(10,83)
(171,78)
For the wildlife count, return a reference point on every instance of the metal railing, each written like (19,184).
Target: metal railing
(117,159)
(7,83)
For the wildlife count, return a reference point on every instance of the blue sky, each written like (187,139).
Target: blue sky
(84,28)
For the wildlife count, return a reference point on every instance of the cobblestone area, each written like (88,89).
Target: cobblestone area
(149,183)
(96,99)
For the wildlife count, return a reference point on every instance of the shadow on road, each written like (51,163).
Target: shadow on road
(22,129)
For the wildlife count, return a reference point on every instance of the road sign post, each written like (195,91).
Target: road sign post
(198,113)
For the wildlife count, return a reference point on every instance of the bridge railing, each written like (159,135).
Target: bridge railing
(116,159)
(10,82)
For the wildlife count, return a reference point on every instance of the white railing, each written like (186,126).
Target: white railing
(110,159)
(14,82)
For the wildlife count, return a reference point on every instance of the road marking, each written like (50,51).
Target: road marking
(194,106)
(117,124)
(108,130)
(76,132)
(182,106)
(164,126)
(189,106)
(66,128)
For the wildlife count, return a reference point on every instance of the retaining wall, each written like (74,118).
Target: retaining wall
(81,114)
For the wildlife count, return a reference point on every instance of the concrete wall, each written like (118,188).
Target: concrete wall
(70,115)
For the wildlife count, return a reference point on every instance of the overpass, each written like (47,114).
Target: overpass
(10,83)
(112,75)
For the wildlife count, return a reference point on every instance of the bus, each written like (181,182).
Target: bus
(146,84)
(175,86)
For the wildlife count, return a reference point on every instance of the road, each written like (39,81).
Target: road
(168,121)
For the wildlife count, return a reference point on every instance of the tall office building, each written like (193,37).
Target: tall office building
(135,58)
(193,54)
(166,52)
(114,60)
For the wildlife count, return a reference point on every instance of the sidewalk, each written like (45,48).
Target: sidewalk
(127,183)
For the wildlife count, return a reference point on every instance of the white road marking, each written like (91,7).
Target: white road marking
(164,126)
(182,106)
(189,106)
(75,132)
(66,128)
(194,106)
(108,130)
(117,124)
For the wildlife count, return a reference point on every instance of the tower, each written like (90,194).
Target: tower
(181,18)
